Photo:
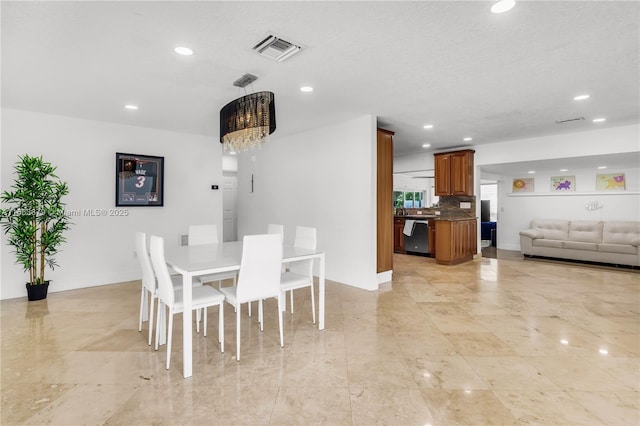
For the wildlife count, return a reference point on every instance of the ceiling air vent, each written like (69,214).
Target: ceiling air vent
(276,48)
(569,120)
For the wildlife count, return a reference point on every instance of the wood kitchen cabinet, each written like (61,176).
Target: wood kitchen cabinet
(432,238)
(398,236)
(384,202)
(454,173)
(456,241)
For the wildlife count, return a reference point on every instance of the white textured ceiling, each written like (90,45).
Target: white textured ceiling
(452,64)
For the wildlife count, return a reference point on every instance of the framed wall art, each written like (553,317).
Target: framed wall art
(139,180)
(563,183)
(610,182)
(522,185)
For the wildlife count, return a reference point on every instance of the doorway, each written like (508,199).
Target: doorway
(230,207)
(489,218)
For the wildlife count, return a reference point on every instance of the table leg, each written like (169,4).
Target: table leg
(321,294)
(187,355)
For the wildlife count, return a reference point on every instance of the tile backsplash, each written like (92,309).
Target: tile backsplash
(449,207)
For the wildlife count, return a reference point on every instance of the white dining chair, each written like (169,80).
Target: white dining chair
(259,278)
(208,234)
(202,297)
(274,228)
(149,283)
(300,273)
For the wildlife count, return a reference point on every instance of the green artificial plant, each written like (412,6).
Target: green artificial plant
(35,220)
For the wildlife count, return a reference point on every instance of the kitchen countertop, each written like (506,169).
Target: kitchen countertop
(428,216)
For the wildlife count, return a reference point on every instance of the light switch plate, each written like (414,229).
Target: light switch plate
(465,205)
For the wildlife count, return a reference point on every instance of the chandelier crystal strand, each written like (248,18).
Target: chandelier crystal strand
(243,140)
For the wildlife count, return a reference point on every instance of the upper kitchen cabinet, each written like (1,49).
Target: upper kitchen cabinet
(454,173)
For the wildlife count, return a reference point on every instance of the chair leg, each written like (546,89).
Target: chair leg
(291,292)
(238,333)
(160,308)
(313,303)
(143,299)
(204,332)
(151,303)
(280,322)
(221,327)
(170,332)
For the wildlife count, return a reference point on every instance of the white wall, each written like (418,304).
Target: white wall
(324,178)
(403,182)
(99,250)
(413,162)
(608,140)
(516,212)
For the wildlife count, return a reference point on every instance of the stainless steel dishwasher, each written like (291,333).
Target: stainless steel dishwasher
(418,241)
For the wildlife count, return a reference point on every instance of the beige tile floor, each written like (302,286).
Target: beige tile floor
(494,341)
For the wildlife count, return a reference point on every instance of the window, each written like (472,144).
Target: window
(408,200)
(398,199)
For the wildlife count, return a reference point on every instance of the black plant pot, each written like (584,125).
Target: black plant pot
(37,292)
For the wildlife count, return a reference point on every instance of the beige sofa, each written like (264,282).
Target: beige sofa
(613,242)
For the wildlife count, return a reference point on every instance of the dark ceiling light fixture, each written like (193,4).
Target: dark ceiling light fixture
(247,122)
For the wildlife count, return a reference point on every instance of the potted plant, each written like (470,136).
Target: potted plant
(36,220)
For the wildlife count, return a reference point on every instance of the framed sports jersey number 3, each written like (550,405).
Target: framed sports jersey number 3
(139,180)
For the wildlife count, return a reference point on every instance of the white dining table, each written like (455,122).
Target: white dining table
(193,261)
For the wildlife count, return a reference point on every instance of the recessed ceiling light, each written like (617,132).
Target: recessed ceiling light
(602,167)
(581,97)
(131,107)
(426,145)
(564,170)
(185,51)
(503,6)
(599,120)
(467,139)
(531,172)
(306,89)
(428,126)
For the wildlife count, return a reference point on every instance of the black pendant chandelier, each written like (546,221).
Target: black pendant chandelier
(248,121)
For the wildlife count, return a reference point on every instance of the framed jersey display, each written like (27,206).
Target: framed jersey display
(139,180)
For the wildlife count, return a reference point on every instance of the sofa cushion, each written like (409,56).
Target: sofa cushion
(543,242)
(617,248)
(552,229)
(618,232)
(585,231)
(580,245)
